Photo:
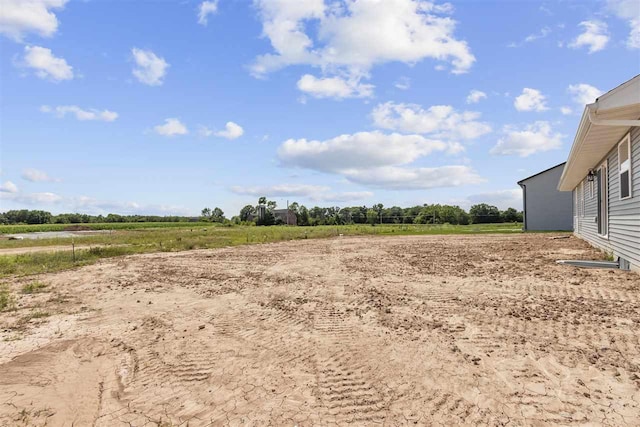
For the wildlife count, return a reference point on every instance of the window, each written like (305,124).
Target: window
(624,167)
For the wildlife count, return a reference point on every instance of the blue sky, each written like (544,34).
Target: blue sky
(165,107)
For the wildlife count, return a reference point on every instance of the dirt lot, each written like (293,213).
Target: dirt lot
(449,330)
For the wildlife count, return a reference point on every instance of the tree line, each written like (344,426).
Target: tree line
(263,214)
(481,213)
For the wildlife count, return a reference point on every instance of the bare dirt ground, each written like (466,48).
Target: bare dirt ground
(429,330)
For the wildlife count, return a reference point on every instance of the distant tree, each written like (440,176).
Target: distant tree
(247,212)
(303,215)
(206,214)
(483,213)
(372,216)
(217,215)
(510,215)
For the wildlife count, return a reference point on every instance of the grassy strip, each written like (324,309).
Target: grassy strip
(25,228)
(163,240)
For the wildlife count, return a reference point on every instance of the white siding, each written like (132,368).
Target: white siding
(624,215)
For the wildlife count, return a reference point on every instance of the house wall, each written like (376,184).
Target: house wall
(546,207)
(624,215)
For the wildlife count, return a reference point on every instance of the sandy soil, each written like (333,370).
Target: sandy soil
(437,330)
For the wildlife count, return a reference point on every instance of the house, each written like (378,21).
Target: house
(603,174)
(285,216)
(546,208)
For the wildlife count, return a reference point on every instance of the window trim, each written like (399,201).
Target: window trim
(626,139)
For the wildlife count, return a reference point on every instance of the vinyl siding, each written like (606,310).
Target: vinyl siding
(624,215)
(546,207)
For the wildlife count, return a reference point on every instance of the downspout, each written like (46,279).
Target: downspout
(524,202)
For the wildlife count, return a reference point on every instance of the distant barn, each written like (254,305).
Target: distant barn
(287,216)
(546,208)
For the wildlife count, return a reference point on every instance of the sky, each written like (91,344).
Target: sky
(167,107)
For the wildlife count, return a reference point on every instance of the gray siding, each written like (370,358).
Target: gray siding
(546,207)
(624,215)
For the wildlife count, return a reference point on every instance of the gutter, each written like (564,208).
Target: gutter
(602,122)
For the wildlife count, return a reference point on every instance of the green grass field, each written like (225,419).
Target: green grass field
(164,238)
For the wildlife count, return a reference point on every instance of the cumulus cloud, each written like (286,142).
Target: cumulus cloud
(566,110)
(35,175)
(46,65)
(334,87)
(530,100)
(231,131)
(376,159)
(8,187)
(397,178)
(584,94)
(354,36)
(531,139)
(359,150)
(441,121)
(475,96)
(150,69)
(20,17)
(205,9)
(594,36)
(171,127)
(81,114)
(628,10)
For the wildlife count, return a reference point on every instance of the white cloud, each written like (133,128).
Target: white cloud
(475,96)
(95,206)
(311,192)
(205,9)
(502,199)
(334,87)
(442,121)
(8,187)
(171,127)
(375,159)
(350,38)
(359,150)
(35,175)
(566,110)
(46,65)
(544,32)
(150,69)
(530,100)
(397,178)
(232,131)
(20,17)
(37,198)
(533,138)
(595,36)
(283,190)
(90,114)
(628,10)
(584,94)
(403,83)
